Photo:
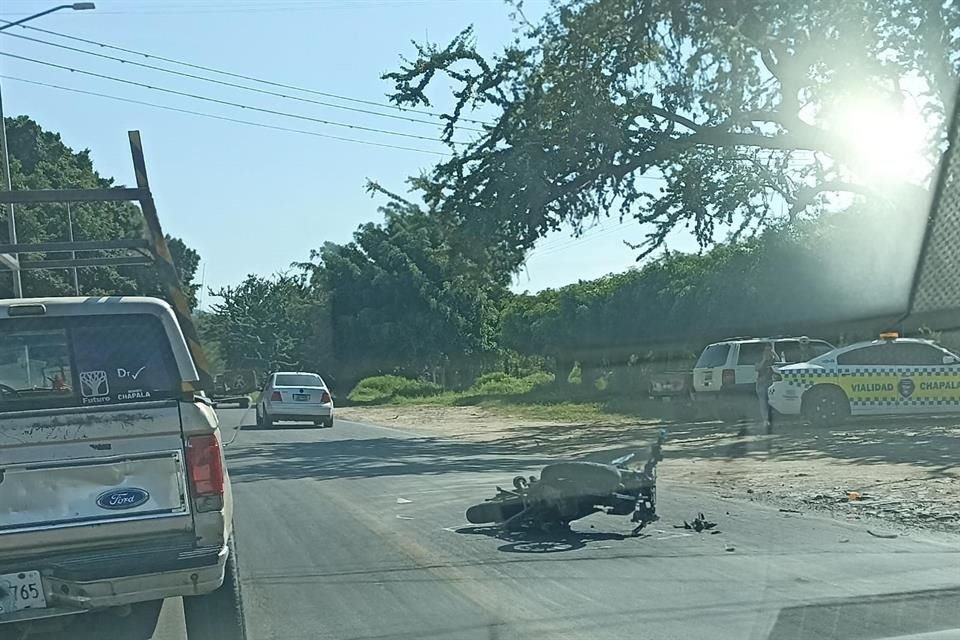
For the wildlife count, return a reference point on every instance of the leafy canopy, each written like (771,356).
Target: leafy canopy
(738,106)
(403,297)
(268,324)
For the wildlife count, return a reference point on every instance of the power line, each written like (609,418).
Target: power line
(234,84)
(217,117)
(223,102)
(232,8)
(240,75)
(572,242)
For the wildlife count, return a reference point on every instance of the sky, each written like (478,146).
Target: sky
(252,199)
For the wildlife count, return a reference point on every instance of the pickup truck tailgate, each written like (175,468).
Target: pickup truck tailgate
(91,475)
(92,491)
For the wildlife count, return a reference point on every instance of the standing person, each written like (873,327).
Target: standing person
(764,380)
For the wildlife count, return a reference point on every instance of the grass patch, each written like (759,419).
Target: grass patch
(386,389)
(532,397)
(560,412)
(500,384)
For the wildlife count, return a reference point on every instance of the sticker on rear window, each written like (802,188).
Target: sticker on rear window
(94,387)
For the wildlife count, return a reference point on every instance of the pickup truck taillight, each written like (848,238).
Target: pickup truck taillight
(205,466)
(276,397)
(728,378)
(325,396)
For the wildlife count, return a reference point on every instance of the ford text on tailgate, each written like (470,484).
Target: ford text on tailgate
(113,492)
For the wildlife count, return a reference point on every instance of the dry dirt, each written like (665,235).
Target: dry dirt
(902,470)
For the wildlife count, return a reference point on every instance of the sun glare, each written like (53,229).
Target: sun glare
(887,142)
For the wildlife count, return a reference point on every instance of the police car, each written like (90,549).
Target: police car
(891,375)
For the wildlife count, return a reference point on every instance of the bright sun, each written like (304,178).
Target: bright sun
(887,142)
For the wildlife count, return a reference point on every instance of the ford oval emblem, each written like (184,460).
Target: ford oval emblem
(127,498)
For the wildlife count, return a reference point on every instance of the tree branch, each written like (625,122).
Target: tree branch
(674,117)
(805,196)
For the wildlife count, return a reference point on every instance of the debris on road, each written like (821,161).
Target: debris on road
(403,501)
(854,495)
(700,523)
(790,511)
(888,536)
(729,547)
(843,540)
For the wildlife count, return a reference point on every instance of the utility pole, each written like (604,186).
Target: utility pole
(73,254)
(14,260)
(11,219)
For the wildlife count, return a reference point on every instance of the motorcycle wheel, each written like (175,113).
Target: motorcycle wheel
(487,512)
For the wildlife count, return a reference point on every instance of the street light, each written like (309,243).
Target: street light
(76,6)
(14,261)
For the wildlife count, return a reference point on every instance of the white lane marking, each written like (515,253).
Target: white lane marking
(405,517)
(403,501)
(675,535)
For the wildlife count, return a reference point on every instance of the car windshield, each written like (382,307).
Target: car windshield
(480,297)
(298,380)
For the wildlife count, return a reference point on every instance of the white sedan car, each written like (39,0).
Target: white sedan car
(295,396)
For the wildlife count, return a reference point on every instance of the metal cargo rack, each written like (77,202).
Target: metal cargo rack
(150,250)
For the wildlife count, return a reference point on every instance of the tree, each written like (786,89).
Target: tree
(735,105)
(40,160)
(405,299)
(783,281)
(185,260)
(271,323)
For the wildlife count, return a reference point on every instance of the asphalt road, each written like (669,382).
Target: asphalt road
(357,533)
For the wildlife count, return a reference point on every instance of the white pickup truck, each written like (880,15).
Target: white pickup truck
(114,494)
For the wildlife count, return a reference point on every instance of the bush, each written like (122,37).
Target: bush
(382,389)
(495,384)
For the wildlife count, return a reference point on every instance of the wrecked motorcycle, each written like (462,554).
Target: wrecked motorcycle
(568,491)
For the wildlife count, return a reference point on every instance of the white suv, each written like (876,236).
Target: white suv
(114,494)
(729,366)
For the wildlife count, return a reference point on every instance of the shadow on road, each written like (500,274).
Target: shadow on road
(372,458)
(279,426)
(930,442)
(529,541)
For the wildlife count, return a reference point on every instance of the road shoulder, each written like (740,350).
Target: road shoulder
(896,472)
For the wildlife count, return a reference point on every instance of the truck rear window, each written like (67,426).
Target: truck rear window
(84,361)
(713,356)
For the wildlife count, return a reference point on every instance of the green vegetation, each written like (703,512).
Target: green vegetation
(40,160)
(501,384)
(531,396)
(390,388)
(737,106)
(385,389)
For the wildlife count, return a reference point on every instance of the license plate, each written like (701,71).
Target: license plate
(22,590)
(301,397)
